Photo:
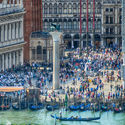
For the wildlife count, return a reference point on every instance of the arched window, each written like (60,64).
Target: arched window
(89,8)
(39,49)
(55,8)
(99,8)
(60,8)
(84,8)
(50,9)
(39,52)
(74,8)
(70,8)
(45,8)
(78,8)
(65,8)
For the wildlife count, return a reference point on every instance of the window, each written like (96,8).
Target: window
(65,8)
(74,8)
(33,53)
(107,30)
(111,9)
(65,25)
(107,9)
(84,25)
(45,9)
(50,9)
(44,51)
(55,8)
(60,8)
(70,8)
(111,20)
(39,49)
(107,20)
(19,30)
(84,8)
(111,31)
(89,8)
(98,24)
(120,19)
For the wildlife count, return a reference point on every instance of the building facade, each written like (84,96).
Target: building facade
(67,14)
(41,48)
(11,34)
(111,23)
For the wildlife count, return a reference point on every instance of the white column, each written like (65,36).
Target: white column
(3,62)
(6,62)
(17,2)
(72,42)
(10,60)
(10,31)
(21,60)
(21,29)
(0,62)
(2,33)
(14,32)
(6,32)
(10,3)
(14,59)
(17,26)
(21,3)
(17,55)
(56,61)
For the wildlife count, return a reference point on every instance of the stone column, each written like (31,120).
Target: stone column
(6,61)
(6,32)
(56,61)
(2,33)
(14,59)
(3,62)
(17,55)
(10,60)
(21,56)
(72,42)
(9,32)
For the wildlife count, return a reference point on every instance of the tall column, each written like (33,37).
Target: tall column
(17,54)
(6,61)
(21,56)
(9,37)
(72,42)
(14,59)
(10,60)
(3,62)
(56,61)
(2,33)
(6,32)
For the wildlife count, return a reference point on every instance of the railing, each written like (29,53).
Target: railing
(10,9)
(12,42)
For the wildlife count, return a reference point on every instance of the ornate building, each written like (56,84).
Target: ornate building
(67,14)
(41,47)
(111,23)
(11,33)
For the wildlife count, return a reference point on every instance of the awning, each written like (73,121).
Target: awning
(10,89)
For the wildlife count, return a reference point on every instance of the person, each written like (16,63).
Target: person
(60,113)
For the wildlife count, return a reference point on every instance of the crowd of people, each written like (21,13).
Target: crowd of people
(81,76)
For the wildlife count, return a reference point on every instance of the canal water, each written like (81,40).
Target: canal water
(42,117)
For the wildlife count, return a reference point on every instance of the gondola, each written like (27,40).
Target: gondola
(75,118)
(74,108)
(36,107)
(52,107)
(104,108)
(4,107)
(118,110)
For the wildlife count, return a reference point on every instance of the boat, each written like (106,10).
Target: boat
(36,107)
(74,108)
(75,118)
(52,107)
(118,110)
(104,108)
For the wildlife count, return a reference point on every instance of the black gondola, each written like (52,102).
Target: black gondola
(118,110)
(75,118)
(36,107)
(52,107)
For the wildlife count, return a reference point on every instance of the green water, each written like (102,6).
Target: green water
(42,117)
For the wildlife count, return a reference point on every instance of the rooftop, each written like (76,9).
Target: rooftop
(40,34)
